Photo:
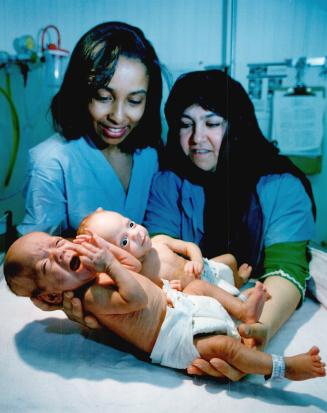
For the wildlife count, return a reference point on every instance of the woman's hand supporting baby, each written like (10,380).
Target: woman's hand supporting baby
(73,309)
(253,335)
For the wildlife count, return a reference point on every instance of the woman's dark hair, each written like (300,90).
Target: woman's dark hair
(91,67)
(245,156)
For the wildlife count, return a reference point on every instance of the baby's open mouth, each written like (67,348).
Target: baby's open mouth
(75,263)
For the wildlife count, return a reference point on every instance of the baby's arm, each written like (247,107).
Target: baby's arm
(127,295)
(188,249)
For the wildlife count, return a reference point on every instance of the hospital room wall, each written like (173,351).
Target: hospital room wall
(275,30)
(187,34)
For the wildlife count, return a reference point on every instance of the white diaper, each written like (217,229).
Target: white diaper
(190,315)
(219,274)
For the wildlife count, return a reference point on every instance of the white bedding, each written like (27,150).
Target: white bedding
(47,365)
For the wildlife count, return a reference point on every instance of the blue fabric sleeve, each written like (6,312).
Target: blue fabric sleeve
(286,209)
(163,214)
(289,261)
(68,180)
(45,202)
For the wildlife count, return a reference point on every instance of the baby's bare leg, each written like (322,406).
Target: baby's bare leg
(248,311)
(227,259)
(251,361)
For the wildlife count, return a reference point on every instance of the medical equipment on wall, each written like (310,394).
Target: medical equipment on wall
(289,112)
(28,56)
(25,47)
(54,57)
(6,92)
(7,233)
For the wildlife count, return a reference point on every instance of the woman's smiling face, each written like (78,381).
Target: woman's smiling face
(117,109)
(201,133)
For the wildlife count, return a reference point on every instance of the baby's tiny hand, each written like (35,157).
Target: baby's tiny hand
(94,252)
(82,238)
(194,268)
(123,256)
(92,238)
(176,285)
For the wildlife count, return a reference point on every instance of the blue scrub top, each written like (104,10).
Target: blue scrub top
(68,180)
(176,208)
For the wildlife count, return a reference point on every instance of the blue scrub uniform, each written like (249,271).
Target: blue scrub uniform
(176,208)
(68,180)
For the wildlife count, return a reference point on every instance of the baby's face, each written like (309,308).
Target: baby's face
(55,262)
(122,232)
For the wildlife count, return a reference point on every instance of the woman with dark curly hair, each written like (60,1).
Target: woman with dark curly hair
(107,118)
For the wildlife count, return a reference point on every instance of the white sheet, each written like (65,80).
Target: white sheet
(48,366)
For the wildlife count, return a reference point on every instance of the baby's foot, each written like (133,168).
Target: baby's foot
(305,366)
(242,275)
(252,307)
(244,271)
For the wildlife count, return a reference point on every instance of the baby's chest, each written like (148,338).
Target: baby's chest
(171,264)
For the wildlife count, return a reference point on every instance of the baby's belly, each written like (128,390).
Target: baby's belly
(142,327)
(172,270)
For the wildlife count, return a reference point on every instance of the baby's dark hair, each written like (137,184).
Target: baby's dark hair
(19,278)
